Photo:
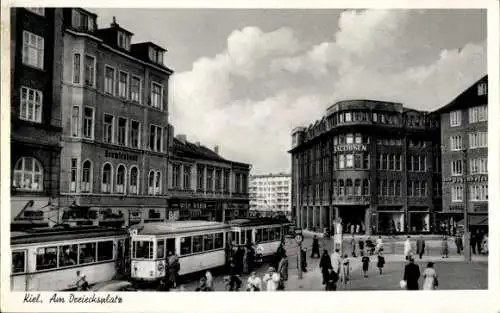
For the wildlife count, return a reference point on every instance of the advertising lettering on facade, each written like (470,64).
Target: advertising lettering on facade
(471,179)
(120,156)
(354,147)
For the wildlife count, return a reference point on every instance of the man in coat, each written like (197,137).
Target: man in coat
(283,271)
(411,275)
(420,246)
(325,264)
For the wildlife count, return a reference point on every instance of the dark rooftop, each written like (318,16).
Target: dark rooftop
(466,99)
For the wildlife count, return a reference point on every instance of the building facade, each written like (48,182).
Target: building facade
(374,165)
(204,185)
(115,130)
(270,195)
(464,154)
(36,51)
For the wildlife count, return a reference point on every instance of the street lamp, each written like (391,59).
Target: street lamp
(467,247)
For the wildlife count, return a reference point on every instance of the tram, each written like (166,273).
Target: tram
(265,234)
(47,259)
(198,244)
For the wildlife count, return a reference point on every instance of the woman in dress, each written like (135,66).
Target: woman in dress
(430,277)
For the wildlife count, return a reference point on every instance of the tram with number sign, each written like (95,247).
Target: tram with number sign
(47,259)
(198,244)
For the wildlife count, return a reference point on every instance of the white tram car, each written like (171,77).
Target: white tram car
(47,259)
(264,234)
(198,244)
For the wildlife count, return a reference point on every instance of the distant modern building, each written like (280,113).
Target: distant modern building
(204,185)
(114,102)
(270,195)
(36,70)
(375,165)
(464,154)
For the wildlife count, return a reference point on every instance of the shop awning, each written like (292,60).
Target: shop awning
(475,221)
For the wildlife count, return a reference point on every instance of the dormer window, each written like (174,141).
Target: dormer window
(156,55)
(482,89)
(82,21)
(124,41)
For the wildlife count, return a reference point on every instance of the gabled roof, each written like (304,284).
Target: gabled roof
(466,99)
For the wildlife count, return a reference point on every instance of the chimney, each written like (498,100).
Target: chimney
(216,149)
(114,22)
(197,143)
(181,138)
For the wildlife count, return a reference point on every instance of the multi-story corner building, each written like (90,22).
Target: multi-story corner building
(114,107)
(375,165)
(270,195)
(36,51)
(204,185)
(464,154)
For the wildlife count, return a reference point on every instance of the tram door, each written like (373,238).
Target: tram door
(171,246)
(123,256)
(248,237)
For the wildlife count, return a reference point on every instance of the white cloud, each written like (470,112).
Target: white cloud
(363,60)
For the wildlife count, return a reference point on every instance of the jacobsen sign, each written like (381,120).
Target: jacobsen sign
(349,147)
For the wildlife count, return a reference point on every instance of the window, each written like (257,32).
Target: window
(457,193)
(105,250)
(455,118)
(456,167)
(197,244)
(341,187)
(73,175)
(134,180)
(226,181)
(478,140)
(155,138)
(143,249)
(151,182)
(210,181)
(135,130)
(349,139)
(33,49)
(28,174)
(68,255)
(39,11)
(366,187)
(87,252)
(366,160)
(123,41)
(208,242)
(86,176)
(186,245)
(348,187)
(122,131)
(76,68)
(187,178)
(123,85)
(88,123)
(218,241)
(18,262)
(89,75)
(349,161)
(397,188)
(156,95)
(155,55)
(348,117)
(383,161)
(456,143)
(478,192)
(357,161)
(341,161)
(82,21)
(46,258)
(157,189)
(437,188)
(421,189)
(422,161)
(390,188)
(108,128)
(201,177)
(358,138)
(120,179)
(109,80)
(176,176)
(135,89)
(75,122)
(31,105)
(106,178)
(482,89)
(478,114)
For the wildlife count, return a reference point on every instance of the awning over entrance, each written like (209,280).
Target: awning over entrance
(475,221)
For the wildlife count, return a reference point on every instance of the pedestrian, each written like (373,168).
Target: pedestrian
(246,269)
(315,247)
(365,260)
(254,283)
(331,281)
(303,255)
(173,269)
(81,283)
(361,244)
(325,264)
(283,271)
(336,261)
(353,246)
(407,248)
(411,274)
(239,258)
(472,242)
(271,279)
(444,247)
(458,243)
(279,254)
(430,277)
(250,256)
(357,228)
(232,282)
(485,244)
(345,276)
(380,244)
(369,245)
(479,242)
(420,246)
(380,262)
(202,285)
(209,281)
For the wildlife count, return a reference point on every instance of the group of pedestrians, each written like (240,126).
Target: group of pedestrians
(412,275)
(172,268)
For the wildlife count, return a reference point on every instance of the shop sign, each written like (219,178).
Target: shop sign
(481,207)
(120,156)
(356,147)
(470,179)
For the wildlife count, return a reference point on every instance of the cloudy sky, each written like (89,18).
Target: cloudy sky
(244,78)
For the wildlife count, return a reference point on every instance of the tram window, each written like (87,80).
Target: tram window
(235,237)
(258,235)
(277,233)
(143,249)
(68,255)
(185,245)
(197,244)
(105,250)
(46,258)
(160,249)
(18,262)
(219,242)
(265,234)
(242,236)
(208,242)
(249,236)
(171,245)
(87,252)
(271,233)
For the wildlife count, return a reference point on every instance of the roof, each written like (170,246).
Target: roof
(466,99)
(55,234)
(163,228)
(258,221)
(149,43)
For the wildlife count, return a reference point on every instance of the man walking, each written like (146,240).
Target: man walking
(420,246)
(411,275)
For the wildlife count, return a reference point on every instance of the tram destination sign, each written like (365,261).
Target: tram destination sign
(356,147)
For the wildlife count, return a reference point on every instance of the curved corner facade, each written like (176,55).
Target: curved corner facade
(375,165)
